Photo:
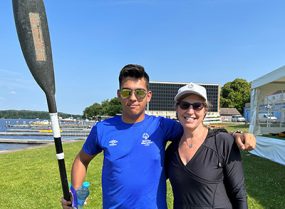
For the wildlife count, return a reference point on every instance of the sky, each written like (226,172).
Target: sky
(202,41)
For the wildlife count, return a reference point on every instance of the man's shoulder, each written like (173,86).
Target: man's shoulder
(161,118)
(109,122)
(112,119)
(163,121)
(171,128)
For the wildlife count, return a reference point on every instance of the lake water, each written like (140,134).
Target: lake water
(22,125)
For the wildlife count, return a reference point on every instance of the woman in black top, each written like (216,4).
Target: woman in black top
(204,167)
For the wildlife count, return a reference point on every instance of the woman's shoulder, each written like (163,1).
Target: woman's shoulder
(223,143)
(220,140)
(220,134)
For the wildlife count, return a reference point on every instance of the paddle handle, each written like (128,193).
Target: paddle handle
(60,155)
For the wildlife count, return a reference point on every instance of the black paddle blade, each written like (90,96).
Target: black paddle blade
(32,28)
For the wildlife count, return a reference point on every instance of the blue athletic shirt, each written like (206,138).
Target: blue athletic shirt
(133,172)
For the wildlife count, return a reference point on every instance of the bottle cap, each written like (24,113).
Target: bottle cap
(86,184)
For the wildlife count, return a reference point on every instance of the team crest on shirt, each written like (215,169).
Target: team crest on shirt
(113,142)
(145,141)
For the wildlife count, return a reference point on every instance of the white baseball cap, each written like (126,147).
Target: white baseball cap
(191,88)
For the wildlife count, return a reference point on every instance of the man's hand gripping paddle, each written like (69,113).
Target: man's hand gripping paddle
(33,33)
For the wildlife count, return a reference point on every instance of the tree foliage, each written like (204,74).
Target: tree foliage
(106,108)
(235,94)
(92,111)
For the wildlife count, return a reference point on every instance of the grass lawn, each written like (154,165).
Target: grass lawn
(30,179)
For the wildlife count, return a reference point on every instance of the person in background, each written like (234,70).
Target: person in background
(204,167)
(134,148)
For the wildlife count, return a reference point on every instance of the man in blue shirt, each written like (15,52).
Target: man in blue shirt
(134,147)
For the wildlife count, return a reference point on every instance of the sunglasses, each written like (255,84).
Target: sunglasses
(196,105)
(139,93)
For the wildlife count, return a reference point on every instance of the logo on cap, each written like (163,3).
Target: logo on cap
(190,86)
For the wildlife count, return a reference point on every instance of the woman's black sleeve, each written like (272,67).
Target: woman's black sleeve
(234,177)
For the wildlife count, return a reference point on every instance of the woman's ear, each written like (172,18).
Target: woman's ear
(205,114)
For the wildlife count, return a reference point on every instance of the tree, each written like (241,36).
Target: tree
(107,107)
(92,111)
(235,94)
(112,107)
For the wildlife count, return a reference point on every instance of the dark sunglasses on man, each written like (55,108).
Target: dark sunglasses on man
(139,93)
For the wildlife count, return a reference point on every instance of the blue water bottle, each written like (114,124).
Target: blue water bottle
(82,193)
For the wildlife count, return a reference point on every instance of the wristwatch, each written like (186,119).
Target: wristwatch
(237,132)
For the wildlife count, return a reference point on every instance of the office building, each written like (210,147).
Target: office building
(163,93)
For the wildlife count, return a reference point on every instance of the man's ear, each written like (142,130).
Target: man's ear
(149,95)
(118,94)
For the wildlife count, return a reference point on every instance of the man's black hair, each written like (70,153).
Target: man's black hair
(133,71)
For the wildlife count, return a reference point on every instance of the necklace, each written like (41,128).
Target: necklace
(198,139)
(190,145)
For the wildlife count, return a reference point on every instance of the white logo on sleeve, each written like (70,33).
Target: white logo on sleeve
(113,142)
(146,141)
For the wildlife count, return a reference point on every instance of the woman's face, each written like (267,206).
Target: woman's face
(191,111)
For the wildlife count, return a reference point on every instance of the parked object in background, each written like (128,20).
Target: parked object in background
(238,118)
(227,113)
(264,117)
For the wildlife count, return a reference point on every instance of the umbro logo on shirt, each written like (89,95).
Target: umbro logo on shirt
(113,142)
(145,140)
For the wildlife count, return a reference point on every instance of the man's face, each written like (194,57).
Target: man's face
(134,97)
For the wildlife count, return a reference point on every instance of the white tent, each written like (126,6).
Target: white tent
(261,101)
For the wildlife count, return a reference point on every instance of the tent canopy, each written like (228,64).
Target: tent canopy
(261,88)
(276,77)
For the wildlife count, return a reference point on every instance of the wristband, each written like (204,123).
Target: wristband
(74,197)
